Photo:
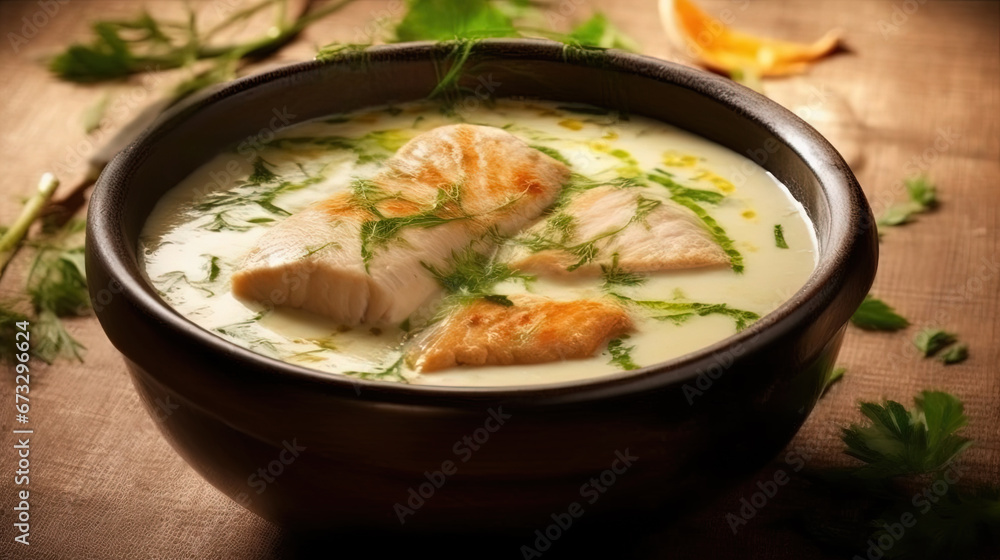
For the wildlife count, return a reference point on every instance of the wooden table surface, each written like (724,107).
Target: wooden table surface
(917,91)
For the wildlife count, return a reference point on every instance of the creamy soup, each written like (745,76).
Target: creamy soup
(200,234)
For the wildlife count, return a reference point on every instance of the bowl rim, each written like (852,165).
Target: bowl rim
(839,187)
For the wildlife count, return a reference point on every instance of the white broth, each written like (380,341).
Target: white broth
(202,229)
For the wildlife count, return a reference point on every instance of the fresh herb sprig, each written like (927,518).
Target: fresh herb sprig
(56,288)
(145,43)
(15,234)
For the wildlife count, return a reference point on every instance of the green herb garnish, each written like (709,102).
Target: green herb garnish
(680,191)
(930,341)
(552,153)
(875,315)
(956,354)
(621,355)
(901,442)
(779,237)
(680,312)
(690,198)
(923,197)
(560,228)
(474,275)
(247,332)
(145,43)
(391,372)
(56,287)
(614,275)
(262,188)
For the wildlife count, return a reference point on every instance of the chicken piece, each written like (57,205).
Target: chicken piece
(534,330)
(359,257)
(667,237)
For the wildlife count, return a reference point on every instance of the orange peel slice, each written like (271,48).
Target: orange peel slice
(719,48)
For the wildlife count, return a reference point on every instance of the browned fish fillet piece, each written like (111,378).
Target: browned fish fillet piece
(534,330)
(461,180)
(669,237)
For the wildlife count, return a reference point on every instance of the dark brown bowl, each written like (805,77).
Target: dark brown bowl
(313,450)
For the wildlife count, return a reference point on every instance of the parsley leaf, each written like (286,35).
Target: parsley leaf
(901,442)
(930,341)
(902,450)
(875,315)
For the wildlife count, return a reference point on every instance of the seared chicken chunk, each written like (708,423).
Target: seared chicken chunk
(534,330)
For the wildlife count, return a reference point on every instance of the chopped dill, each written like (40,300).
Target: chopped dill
(244,330)
(310,251)
(169,281)
(262,188)
(621,355)
(689,198)
(383,231)
(392,372)
(678,191)
(680,312)
(499,300)
(559,231)
(219,223)
(779,237)
(614,275)
(474,275)
(262,173)
(213,269)
(552,153)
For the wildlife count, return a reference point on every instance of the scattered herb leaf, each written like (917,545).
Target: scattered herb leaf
(875,315)
(956,354)
(930,340)
(898,442)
